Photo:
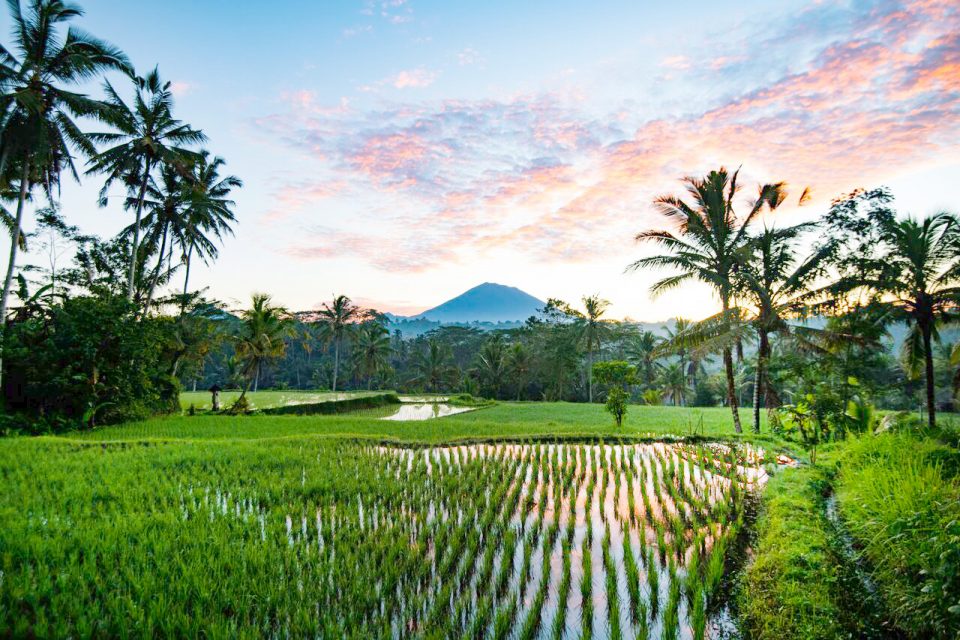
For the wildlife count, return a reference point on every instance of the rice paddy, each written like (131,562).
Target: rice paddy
(348,539)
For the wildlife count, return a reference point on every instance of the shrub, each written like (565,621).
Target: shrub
(87,360)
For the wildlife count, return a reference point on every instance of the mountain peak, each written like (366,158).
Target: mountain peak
(487,302)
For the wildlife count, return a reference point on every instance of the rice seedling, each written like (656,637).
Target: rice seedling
(322,537)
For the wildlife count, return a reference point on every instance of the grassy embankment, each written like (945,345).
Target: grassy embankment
(505,420)
(898,507)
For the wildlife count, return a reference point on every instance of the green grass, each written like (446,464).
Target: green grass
(503,420)
(790,588)
(267,399)
(899,497)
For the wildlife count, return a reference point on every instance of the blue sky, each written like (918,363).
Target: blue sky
(403,151)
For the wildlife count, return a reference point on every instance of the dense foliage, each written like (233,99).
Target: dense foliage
(87,359)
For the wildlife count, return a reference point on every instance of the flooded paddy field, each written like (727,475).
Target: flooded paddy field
(340,539)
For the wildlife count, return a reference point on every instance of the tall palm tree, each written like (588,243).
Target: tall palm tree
(708,238)
(372,350)
(147,135)
(263,328)
(209,215)
(519,365)
(593,331)
(434,366)
(679,348)
(777,286)
(337,318)
(165,203)
(674,383)
(642,353)
(919,269)
(492,363)
(37,111)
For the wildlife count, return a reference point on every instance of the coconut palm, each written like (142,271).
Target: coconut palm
(642,353)
(919,269)
(519,365)
(147,135)
(706,244)
(209,212)
(336,319)
(372,351)
(673,382)
(260,339)
(678,347)
(491,367)
(433,366)
(593,331)
(37,111)
(165,202)
(777,286)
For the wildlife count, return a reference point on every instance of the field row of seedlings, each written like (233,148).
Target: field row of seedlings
(338,539)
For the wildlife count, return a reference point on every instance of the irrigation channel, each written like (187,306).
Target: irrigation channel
(524,541)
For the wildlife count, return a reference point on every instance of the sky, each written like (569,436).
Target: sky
(403,151)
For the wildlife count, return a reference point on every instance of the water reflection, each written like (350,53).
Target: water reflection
(425,411)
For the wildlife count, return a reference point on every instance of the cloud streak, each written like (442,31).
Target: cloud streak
(545,176)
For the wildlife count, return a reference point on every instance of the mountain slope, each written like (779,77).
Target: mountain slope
(488,302)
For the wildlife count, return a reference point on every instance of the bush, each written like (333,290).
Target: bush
(84,361)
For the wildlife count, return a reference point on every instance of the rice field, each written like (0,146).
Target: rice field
(332,538)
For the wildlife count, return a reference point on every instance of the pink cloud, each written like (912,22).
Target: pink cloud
(539,175)
(414,79)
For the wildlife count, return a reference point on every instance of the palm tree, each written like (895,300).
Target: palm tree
(674,383)
(164,202)
(209,214)
(918,271)
(260,339)
(433,366)
(147,135)
(37,128)
(519,366)
(642,353)
(337,318)
(492,363)
(680,326)
(593,331)
(709,238)
(778,286)
(372,350)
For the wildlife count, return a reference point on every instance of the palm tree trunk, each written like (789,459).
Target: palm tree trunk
(683,377)
(156,271)
(12,262)
(759,380)
(731,388)
(186,279)
(336,362)
(256,379)
(590,376)
(928,362)
(134,249)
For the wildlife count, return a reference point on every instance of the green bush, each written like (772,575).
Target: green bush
(86,360)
